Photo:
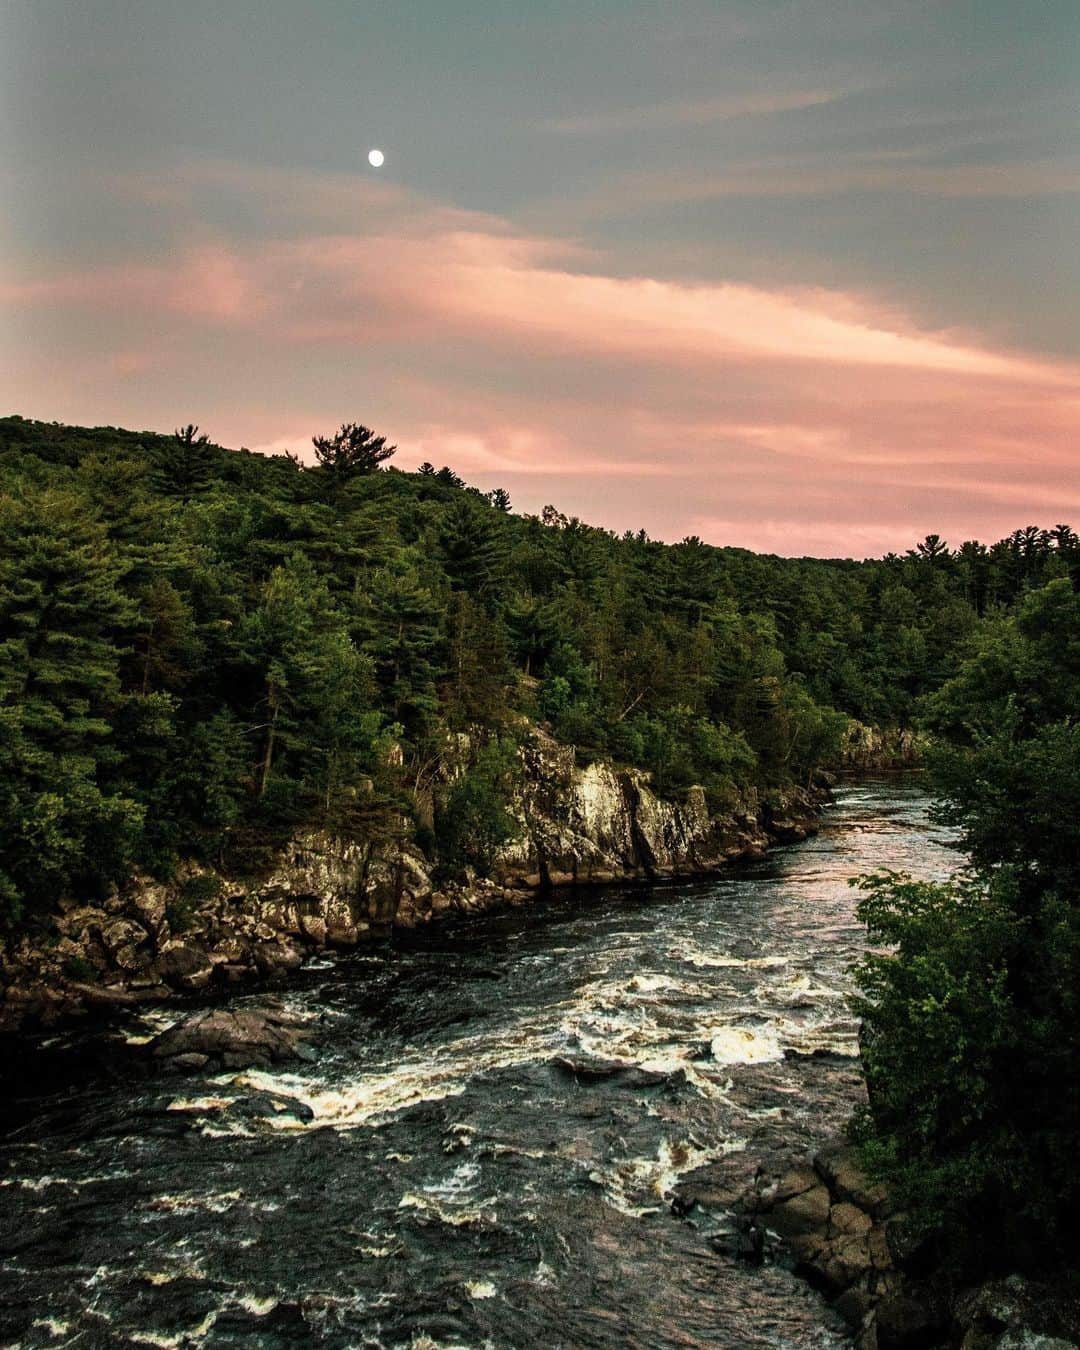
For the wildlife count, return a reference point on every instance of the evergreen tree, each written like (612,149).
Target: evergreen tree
(63,620)
(400,622)
(187,466)
(474,550)
(352,452)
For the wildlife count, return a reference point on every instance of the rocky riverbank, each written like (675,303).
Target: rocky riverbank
(152,941)
(839,1230)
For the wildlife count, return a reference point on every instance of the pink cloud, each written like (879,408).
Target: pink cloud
(211,282)
(799,418)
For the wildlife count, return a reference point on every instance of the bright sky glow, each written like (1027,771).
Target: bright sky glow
(800,277)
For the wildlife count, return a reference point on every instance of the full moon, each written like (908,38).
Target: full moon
(375,158)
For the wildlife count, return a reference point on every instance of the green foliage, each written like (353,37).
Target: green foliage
(680,747)
(64,819)
(195,892)
(78,968)
(473,821)
(938,1026)
(972,1019)
(350,453)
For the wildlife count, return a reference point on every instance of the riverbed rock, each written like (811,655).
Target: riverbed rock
(839,1166)
(233,1038)
(830,1220)
(804,1213)
(836,1227)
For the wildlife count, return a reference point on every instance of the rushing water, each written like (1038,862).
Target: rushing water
(442,1177)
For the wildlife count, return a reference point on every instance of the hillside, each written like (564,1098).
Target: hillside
(203,651)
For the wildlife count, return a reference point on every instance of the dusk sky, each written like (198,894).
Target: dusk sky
(801,277)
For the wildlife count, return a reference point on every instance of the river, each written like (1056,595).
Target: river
(464,1166)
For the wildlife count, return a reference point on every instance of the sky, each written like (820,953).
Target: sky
(794,275)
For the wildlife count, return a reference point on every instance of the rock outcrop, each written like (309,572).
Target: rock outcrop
(207,929)
(880,747)
(840,1232)
(833,1224)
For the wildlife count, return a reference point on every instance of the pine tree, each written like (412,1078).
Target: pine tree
(314,693)
(352,452)
(475,551)
(475,689)
(63,620)
(187,464)
(401,625)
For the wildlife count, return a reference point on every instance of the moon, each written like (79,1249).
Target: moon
(376,158)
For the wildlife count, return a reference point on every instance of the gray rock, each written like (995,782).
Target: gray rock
(841,1168)
(806,1212)
(1024,1339)
(189,1062)
(184,965)
(237,1038)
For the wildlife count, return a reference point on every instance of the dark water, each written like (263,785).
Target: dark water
(455,1186)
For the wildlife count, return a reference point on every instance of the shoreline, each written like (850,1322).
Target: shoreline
(287,934)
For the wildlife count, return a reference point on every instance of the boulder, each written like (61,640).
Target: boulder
(150,901)
(342,934)
(906,1323)
(272,957)
(1015,1313)
(843,1261)
(190,1061)
(121,934)
(795,1182)
(238,1039)
(840,1167)
(805,1212)
(850,1221)
(313,927)
(184,965)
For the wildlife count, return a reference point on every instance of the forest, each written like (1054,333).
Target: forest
(201,649)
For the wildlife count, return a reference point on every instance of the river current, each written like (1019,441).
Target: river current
(487,1148)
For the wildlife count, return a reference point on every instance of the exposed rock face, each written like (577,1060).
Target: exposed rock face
(880,747)
(839,1231)
(207,929)
(601,824)
(834,1224)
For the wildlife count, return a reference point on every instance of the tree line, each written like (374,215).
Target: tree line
(203,649)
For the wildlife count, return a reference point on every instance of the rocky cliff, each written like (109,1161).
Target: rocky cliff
(867,747)
(151,940)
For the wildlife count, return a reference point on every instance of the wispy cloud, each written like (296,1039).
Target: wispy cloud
(698,112)
(790,417)
(502,287)
(889,171)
